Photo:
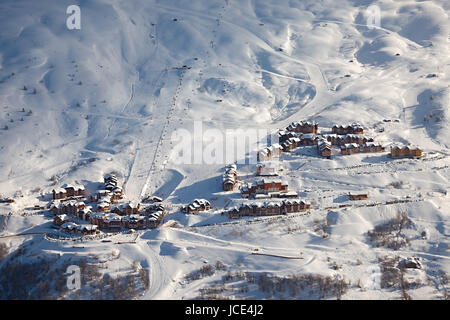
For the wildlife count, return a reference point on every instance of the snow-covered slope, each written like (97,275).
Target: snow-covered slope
(76,104)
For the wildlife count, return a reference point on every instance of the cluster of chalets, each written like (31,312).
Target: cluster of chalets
(69,204)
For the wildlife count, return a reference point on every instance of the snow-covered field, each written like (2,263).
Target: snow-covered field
(77,104)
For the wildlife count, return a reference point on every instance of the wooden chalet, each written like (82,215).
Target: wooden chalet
(134,221)
(285,135)
(406,152)
(112,222)
(61,219)
(110,178)
(117,194)
(303,127)
(229,178)
(85,213)
(309,139)
(198,205)
(71,207)
(269,152)
(324,148)
(155,207)
(372,147)
(339,140)
(359,196)
(103,194)
(269,208)
(73,191)
(350,129)
(350,148)
(59,193)
(69,227)
(155,219)
(103,206)
(290,144)
(264,187)
(88,229)
(152,199)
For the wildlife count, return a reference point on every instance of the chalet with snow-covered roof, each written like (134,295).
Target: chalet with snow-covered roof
(103,206)
(74,190)
(309,139)
(228,183)
(372,147)
(358,196)
(61,219)
(71,207)
(68,191)
(269,152)
(103,194)
(117,194)
(349,129)
(85,213)
(290,144)
(285,135)
(303,127)
(88,229)
(198,205)
(155,207)
(264,186)
(97,218)
(405,152)
(69,227)
(339,140)
(324,148)
(112,222)
(152,199)
(155,219)
(134,221)
(85,229)
(59,193)
(350,148)
(229,178)
(269,208)
(110,178)
(127,208)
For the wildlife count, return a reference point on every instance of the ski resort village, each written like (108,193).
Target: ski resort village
(225,150)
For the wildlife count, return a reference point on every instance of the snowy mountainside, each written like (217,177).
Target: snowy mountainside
(77,104)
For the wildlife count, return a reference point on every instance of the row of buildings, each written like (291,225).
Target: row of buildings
(268,208)
(349,129)
(313,127)
(150,218)
(85,229)
(113,221)
(405,152)
(303,127)
(264,186)
(68,191)
(352,148)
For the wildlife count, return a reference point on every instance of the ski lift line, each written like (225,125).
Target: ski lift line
(161,138)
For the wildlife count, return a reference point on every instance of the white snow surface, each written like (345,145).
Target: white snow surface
(109,96)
